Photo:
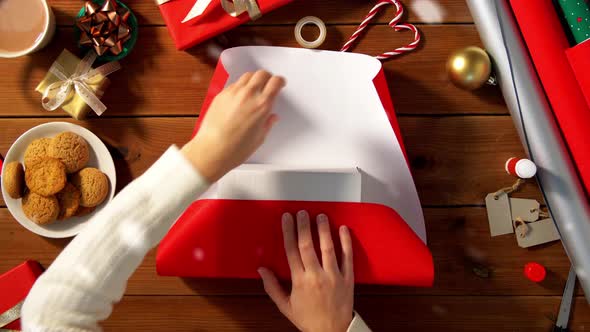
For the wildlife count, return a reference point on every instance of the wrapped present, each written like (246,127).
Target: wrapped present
(193,21)
(73,85)
(14,287)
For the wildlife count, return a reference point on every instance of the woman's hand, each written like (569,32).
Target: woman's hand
(236,124)
(321,297)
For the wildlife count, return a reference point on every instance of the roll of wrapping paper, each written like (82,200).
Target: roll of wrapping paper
(577,15)
(578,57)
(547,46)
(538,130)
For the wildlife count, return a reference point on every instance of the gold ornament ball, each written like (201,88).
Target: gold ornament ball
(469,68)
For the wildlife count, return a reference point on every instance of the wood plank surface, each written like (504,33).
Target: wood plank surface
(331,11)
(457,143)
(382,313)
(158,80)
(455,160)
(467,261)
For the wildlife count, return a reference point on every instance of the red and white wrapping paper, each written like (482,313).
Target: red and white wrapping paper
(329,118)
(212,22)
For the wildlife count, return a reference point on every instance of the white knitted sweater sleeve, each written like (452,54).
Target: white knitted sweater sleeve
(90,275)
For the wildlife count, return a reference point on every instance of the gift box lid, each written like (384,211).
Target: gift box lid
(211,23)
(16,284)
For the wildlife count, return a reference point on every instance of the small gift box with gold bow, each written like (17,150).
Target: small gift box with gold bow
(193,21)
(14,287)
(73,85)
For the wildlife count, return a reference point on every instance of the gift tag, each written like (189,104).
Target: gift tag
(499,217)
(539,232)
(527,209)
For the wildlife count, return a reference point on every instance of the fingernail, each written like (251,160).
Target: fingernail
(343,228)
(286,217)
(302,214)
(322,218)
(260,271)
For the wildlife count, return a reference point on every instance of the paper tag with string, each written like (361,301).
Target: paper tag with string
(527,209)
(498,207)
(536,233)
(499,216)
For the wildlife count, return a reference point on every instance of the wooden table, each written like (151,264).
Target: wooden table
(457,142)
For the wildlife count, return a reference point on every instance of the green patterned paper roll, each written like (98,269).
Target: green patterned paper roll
(577,15)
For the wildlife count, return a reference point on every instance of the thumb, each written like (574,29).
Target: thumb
(274,290)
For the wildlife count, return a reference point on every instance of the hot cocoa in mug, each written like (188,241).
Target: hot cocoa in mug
(25,26)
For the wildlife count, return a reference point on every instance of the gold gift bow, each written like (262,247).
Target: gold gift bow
(235,8)
(57,93)
(11,314)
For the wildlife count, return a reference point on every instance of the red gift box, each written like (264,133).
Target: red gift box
(14,287)
(214,20)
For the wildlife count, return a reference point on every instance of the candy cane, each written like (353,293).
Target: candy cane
(404,49)
(393,23)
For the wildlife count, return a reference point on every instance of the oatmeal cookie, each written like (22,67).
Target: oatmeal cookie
(70,149)
(93,185)
(36,151)
(40,209)
(13,179)
(47,177)
(69,201)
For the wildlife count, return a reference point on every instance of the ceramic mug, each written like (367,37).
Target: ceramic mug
(45,35)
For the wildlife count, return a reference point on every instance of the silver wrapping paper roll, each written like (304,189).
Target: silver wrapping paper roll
(537,129)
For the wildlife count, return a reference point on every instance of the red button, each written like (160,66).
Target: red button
(535,272)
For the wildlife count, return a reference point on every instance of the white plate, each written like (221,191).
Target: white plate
(99,158)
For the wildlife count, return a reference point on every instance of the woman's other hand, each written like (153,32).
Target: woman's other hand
(322,295)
